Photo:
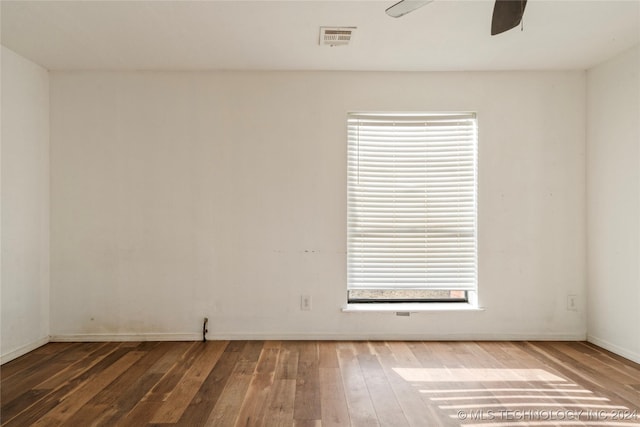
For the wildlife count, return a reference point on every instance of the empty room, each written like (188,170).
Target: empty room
(320,213)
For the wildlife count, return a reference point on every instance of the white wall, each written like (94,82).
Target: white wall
(182,195)
(613,170)
(25,206)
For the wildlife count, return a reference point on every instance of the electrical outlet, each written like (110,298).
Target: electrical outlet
(305,302)
(572,302)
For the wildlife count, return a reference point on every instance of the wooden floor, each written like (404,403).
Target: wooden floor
(317,383)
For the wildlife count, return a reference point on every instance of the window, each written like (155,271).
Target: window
(411,207)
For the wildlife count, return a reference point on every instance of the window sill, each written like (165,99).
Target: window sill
(409,307)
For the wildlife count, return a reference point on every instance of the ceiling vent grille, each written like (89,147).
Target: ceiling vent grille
(335,36)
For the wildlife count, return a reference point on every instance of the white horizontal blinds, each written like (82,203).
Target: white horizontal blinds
(412,201)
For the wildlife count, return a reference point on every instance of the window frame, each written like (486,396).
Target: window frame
(470,292)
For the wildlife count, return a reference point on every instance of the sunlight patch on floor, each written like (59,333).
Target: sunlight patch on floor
(514,397)
(519,396)
(535,405)
(474,375)
(552,423)
(493,390)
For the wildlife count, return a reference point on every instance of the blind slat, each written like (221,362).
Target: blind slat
(412,201)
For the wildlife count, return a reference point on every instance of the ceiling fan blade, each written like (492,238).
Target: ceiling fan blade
(507,14)
(405,6)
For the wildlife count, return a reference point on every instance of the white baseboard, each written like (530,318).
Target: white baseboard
(396,337)
(621,351)
(300,336)
(22,350)
(313,336)
(126,337)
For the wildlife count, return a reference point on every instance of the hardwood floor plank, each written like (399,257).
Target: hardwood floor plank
(174,364)
(280,406)
(585,374)
(328,354)
(333,403)
(33,413)
(100,351)
(248,356)
(307,423)
(436,356)
(174,355)
(225,411)
(25,400)
(165,386)
(92,415)
(13,407)
(604,365)
(307,400)
(622,362)
(424,352)
(280,409)
(309,351)
(287,362)
(272,344)
(209,392)
(74,401)
(127,390)
(268,361)
(16,385)
(311,383)
(255,404)
(397,355)
(251,351)
(359,404)
(497,394)
(181,396)
(384,400)
(139,415)
(33,360)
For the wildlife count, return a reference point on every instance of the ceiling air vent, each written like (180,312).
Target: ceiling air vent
(335,36)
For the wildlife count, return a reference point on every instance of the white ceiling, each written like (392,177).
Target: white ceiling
(283,35)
